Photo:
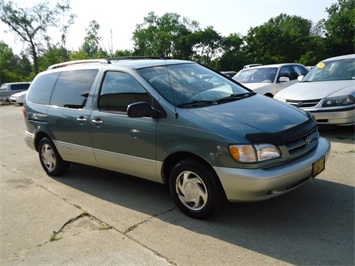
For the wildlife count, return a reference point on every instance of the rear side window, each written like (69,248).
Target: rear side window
(22,87)
(41,89)
(119,90)
(73,87)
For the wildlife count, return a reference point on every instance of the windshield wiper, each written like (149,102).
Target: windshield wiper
(196,103)
(234,97)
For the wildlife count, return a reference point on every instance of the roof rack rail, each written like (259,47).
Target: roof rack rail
(134,57)
(76,62)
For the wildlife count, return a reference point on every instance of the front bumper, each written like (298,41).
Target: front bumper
(262,184)
(342,118)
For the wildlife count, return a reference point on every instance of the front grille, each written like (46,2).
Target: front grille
(306,103)
(303,144)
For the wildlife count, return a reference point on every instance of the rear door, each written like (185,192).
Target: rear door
(68,117)
(120,143)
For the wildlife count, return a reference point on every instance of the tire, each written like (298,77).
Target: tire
(50,159)
(195,188)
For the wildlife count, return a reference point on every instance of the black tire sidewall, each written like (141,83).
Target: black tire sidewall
(61,166)
(209,179)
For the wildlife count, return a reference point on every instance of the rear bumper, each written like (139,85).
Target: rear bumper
(261,184)
(30,140)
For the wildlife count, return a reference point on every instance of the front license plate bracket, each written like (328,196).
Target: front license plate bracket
(318,167)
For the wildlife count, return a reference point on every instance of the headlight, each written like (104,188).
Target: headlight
(338,101)
(254,153)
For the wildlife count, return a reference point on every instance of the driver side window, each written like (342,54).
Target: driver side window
(118,90)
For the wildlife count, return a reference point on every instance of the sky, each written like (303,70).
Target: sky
(118,19)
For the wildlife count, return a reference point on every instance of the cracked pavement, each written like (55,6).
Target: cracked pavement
(91,216)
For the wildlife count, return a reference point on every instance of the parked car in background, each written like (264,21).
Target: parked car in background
(229,74)
(18,98)
(327,91)
(251,65)
(8,89)
(174,122)
(270,79)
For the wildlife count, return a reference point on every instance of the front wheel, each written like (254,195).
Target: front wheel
(50,159)
(195,188)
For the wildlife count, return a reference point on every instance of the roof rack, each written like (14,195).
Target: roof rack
(101,61)
(76,62)
(134,57)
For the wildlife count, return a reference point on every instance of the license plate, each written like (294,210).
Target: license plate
(318,167)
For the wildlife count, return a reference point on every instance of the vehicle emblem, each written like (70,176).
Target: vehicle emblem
(308,141)
(299,104)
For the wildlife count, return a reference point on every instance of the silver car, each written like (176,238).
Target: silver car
(8,89)
(327,91)
(18,98)
(270,79)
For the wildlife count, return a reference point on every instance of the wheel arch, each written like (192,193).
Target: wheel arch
(174,158)
(39,137)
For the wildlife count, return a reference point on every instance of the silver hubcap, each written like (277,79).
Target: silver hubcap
(191,190)
(48,157)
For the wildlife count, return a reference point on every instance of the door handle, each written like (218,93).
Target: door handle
(97,122)
(81,119)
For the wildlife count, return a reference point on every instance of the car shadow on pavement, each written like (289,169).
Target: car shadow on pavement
(311,225)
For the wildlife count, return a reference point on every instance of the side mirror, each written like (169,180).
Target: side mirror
(284,79)
(300,78)
(143,109)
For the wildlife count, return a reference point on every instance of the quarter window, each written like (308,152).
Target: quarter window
(119,90)
(42,88)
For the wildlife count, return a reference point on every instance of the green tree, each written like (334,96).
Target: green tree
(233,58)
(208,45)
(339,28)
(31,25)
(165,36)
(281,39)
(53,55)
(13,67)
(91,45)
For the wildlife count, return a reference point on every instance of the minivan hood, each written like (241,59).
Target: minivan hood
(317,90)
(257,114)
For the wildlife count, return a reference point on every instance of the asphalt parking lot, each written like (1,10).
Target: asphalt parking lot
(91,216)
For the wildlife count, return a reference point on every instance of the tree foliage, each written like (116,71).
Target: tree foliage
(340,27)
(31,25)
(165,36)
(13,67)
(208,45)
(283,38)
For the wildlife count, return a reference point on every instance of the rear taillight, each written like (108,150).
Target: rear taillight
(24,112)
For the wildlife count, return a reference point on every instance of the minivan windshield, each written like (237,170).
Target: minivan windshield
(192,85)
(342,69)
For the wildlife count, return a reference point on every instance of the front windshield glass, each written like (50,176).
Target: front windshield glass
(256,75)
(182,84)
(332,70)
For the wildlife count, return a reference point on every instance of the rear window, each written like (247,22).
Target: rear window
(72,88)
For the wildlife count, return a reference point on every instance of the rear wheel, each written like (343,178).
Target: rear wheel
(195,188)
(50,159)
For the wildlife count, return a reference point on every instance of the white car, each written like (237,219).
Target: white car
(270,79)
(18,98)
(327,91)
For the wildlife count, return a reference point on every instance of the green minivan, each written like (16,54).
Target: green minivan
(176,122)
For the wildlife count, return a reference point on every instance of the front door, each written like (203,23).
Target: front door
(120,143)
